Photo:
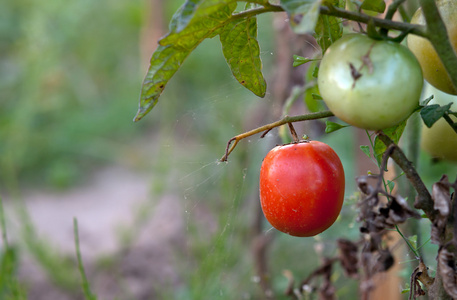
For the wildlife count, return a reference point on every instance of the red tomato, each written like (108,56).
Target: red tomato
(302,188)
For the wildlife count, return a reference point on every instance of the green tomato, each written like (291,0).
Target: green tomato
(433,68)
(368,83)
(440,141)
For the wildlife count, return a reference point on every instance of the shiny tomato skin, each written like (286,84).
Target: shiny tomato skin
(302,188)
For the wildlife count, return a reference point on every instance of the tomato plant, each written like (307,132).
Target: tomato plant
(302,187)
(368,83)
(373,84)
(440,140)
(433,68)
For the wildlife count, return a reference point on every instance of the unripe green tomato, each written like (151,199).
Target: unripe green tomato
(440,141)
(432,67)
(369,83)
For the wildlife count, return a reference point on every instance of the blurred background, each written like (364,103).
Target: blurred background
(159,217)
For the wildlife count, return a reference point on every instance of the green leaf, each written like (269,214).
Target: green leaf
(303,14)
(317,96)
(183,15)
(413,241)
(300,60)
(390,185)
(311,102)
(432,113)
(315,72)
(312,96)
(164,63)
(378,6)
(366,150)
(394,133)
(331,126)
(203,21)
(328,28)
(242,53)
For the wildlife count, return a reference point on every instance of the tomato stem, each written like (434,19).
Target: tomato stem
(231,144)
(293,133)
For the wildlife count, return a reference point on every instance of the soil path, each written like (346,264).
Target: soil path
(110,204)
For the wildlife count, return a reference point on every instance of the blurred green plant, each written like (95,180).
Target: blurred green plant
(67,72)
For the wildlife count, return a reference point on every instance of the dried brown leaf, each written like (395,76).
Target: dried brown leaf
(442,204)
(447,269)
(385,261)
(398,211)
(327,289)
(442,196)
(290,282)
(349,257)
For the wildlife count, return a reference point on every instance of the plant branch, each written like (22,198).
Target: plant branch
(234,140)
(450,122)
(345,14)
(436,33)
(424,199)
(383,23)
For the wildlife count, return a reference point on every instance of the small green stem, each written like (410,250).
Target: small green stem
(312,116)
(85,282)
(3,225)
(393,8)
(407,242)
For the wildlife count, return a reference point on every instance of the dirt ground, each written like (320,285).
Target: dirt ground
(109,204)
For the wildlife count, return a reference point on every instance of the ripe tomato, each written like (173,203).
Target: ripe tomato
(368,83)
(302,187)
(431,64)
(440,140)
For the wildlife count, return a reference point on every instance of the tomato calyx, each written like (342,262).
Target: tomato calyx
(383,34)
(302,141)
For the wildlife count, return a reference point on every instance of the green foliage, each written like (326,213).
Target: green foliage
(378,6)
(394,133)
(242,52)
(329,28)
(332,126)
(65,74)
(66,87)
(303,15)
(185,35)
(85,282)
(432,113)
(10,287)
(300,60)
(189,27)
